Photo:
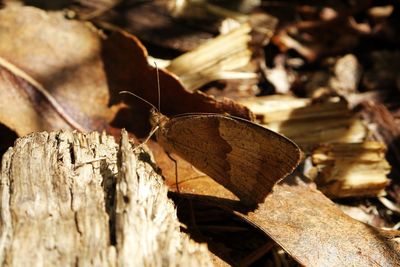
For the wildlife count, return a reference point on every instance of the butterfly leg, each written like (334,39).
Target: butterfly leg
(190,202)
(176,171)
(147,138)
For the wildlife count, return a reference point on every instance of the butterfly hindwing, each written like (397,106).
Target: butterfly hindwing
(242,156)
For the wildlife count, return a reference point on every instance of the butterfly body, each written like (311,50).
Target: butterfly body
(244,157)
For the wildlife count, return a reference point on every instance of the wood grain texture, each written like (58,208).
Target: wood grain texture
(147,229)
(66,202)
(53,213)
(242,156)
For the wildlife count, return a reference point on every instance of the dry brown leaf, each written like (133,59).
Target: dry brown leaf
(317,233)
(125,60)
(22,107)
(121,49)
(69,76)
(55,68)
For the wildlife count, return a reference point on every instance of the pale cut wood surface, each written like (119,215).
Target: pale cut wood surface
(351,169)
(67,201)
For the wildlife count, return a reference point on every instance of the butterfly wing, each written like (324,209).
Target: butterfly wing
(244,157)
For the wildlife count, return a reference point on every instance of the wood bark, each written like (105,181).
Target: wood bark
(73,199)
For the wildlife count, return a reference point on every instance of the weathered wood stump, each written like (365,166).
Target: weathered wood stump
(73,199)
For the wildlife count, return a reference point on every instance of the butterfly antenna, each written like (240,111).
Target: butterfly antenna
(158,88)
(141,98)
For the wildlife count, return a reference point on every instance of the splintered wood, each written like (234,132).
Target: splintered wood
(65,201)
(346,165)
(307,123)
(215,60)
(357,169)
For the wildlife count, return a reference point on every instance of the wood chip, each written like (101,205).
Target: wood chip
(349,170)
(215,60)
(307,123)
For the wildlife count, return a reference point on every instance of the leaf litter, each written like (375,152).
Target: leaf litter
(62,73)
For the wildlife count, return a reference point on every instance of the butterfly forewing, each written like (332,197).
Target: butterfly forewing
(242,156)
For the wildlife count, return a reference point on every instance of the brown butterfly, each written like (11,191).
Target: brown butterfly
(244,157)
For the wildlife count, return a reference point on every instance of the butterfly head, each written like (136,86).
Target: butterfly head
(157,119)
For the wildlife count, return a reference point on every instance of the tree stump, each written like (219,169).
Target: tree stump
(73,199)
